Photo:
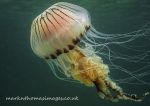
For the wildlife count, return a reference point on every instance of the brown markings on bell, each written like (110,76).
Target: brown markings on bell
(58,52)
(65,8)
(75,41)
(70,47)
(81,35)
(87,28)
(64,13)
(53,56)
(65,50)
(46,58)
(41,19)
(50,20)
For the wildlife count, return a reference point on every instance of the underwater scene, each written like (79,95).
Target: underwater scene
(75,52)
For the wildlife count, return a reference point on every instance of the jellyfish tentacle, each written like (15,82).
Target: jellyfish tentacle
(55,35)
(90,70)
(102,91)
(122,95)
(103,86)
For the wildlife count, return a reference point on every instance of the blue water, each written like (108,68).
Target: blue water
(24,74)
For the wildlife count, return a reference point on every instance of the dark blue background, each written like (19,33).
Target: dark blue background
(24,74)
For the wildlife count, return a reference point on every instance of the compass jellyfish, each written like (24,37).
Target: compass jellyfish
(64,37)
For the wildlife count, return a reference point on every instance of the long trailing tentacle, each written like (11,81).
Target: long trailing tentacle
(102,45)
(104,89)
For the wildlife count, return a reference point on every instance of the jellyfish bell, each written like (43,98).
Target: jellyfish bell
(58,29)
(57,36)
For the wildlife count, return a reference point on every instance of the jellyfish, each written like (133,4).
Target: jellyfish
(64,37)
